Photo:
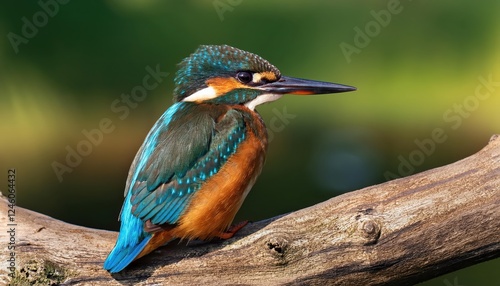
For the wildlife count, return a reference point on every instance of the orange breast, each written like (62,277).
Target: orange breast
(214,206)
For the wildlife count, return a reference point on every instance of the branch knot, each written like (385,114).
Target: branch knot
(278,247)
(370,230)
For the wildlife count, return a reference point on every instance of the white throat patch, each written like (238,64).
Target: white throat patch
(263,98)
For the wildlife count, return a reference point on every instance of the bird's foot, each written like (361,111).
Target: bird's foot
(232,230)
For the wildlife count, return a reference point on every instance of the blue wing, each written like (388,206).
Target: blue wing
(187,145)
(187,151)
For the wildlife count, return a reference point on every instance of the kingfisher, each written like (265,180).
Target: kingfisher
(204,154)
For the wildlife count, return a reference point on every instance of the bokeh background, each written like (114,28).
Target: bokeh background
(415,72)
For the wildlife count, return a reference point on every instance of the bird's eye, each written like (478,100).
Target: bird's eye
(244,77)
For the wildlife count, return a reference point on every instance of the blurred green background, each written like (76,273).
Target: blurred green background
(63,69)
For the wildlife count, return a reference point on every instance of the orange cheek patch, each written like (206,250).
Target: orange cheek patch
(270,76)
(223,85)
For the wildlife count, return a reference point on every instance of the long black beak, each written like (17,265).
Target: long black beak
(291,85)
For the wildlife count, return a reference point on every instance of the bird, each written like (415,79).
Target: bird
(204,154)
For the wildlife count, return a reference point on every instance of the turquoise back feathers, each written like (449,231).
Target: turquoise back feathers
(195,154)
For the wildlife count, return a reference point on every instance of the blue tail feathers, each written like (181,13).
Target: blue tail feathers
(120,257)
(131,240)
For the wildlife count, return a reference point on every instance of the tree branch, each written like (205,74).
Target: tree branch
(400,232)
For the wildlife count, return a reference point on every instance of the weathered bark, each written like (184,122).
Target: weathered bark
(400,232)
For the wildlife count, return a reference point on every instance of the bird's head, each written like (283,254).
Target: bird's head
(227,75)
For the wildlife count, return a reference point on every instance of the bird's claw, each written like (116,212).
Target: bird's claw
(232,230)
